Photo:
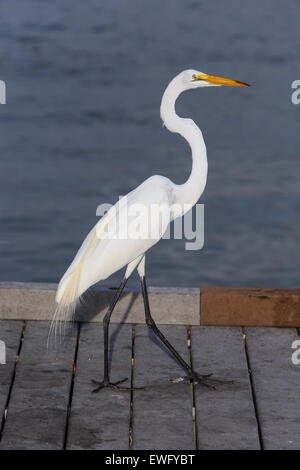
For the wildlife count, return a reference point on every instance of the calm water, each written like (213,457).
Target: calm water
(81,126)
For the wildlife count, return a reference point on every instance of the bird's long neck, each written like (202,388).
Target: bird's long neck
(189,192)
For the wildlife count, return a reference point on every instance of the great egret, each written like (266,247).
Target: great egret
(103,253)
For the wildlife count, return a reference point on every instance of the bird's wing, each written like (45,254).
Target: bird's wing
(134,224)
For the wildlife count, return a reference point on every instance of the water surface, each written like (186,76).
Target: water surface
(81,126)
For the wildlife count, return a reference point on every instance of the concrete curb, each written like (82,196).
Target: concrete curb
(36,301)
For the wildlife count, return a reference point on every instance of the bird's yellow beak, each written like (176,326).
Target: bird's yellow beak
(218,80)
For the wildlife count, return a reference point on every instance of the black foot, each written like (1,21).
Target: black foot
(204,380)
(107,384)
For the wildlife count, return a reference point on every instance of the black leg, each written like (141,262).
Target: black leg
(106,382)
(106,321)
(191,375)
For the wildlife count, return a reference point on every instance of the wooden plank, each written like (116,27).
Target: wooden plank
(225,416)
(38,406)
(249,307)
(276,382)
(163,412)
(101,420)
(10,333)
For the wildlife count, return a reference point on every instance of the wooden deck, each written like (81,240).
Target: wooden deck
(46,400)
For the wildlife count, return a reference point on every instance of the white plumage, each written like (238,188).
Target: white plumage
(103,251)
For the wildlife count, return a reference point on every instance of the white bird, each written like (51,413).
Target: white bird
(104,251)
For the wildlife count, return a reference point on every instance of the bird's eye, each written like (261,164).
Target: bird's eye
(196,78)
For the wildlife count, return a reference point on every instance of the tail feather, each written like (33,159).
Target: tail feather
(67,300)
(68,294)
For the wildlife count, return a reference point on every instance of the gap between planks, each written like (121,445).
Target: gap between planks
(259,431)
(192,388)
(6,407)
(131,391)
